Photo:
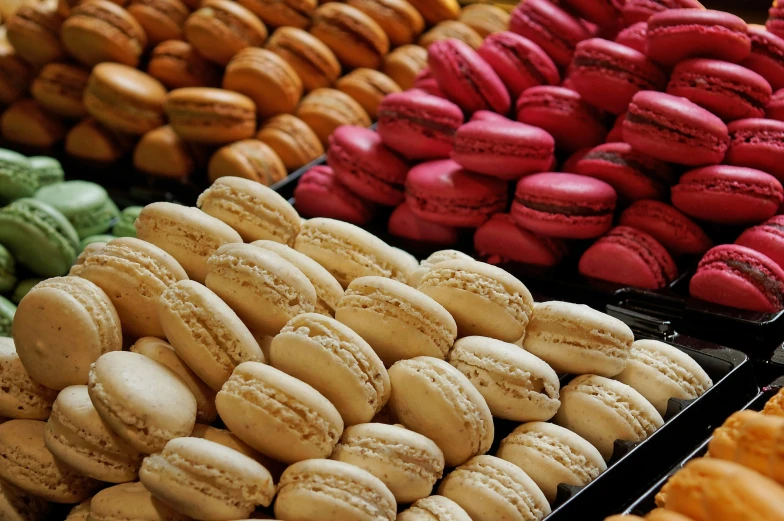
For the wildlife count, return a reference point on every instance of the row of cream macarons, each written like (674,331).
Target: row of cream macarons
(280,293)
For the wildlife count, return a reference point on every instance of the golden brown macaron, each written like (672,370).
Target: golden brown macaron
(176,64)
(91,141)
(26,122)
(99,31)
(33,31)
(451,29)
(124,99)
(15,74)
(324,110)
(725,439)
(249,159)
(399,20)
(368,88)
(404,63)
(435,11)
(59,88)
(314,62)
(162,152)
(207,115)
(775,406)
(355,38)
(292,139)
(282,13)
(219,29)
(759,446)
(161,19)
(266,78)
(485,19)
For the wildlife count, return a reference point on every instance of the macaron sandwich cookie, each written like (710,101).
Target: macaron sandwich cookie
(25,399)
(7,270)
(547,25)
(17,178)
(319,194)
(355,38)
(671,228)
(754,143)
(766,238)
(86,205)
(212,116)
(434,506)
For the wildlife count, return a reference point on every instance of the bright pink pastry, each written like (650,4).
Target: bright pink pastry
(766,238)
(506,150)
(570,165)
(406,224)
(418,125)
(425,82)
(562,205)
(767,56)
(726,89)
(678,34)
(564,115)
(629,257)
(739,277)
(634,11)
(603,13)
(728,194)
(635,36)
(775,23)
(674,129)
(362,162)
(519,62)
(466,78)
(444,192)
(676,232)
(319,194)
(616,132)
(757,143)
(489,115)
(775,108)
(501,240)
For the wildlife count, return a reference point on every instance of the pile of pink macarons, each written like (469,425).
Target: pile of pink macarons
(637,128)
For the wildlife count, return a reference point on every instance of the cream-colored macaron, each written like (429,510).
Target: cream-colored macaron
(80,512)
(22,397)
(256,211)
(18,505)
(415,277)
(187,234)
(398,321)
(660,371)
(348,251)
(601,411)
(408,463)
(408,262)
(78,436)
(206,480)
(552,455)
(163,353)
(262,287)
(143,401)
(484,300)
(516,384)
(130,501)
(205,332)
(328,289)
(434,508)
(431,397)
(492,489)
(577,339)
(133,273)
(278,415)
(332,358)
(355,494)
(230,440)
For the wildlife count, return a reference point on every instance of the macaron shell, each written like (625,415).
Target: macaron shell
(676,232)
(757,143)
(553,29)
(766,238)
(404,223)
(313,61)
(433,507)
(127,500)
(518,61)
(500,240)
(766,49)
(319,194)
(25,398)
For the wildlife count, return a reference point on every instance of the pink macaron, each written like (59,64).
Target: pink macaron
(425,82)
(766,238)
(674,129)
(418,125)
(320,194)
(444,192)
(404,223)
(604,13)
(616,132)
(629,257)
(634,11)
(507,150)
(635,37)
(775,22)
(676,232)
(489,115)
(739,277)
(550,27)
(757,143)
(466,78)
(767,56)
(501,240)
(563,205)
(570,164)
(728,194)
(519,62)
(775,107)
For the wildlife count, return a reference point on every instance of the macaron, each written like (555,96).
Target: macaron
(205,332)
(552,455)
(324,110)
(319,194)
(219,29)
(18,505)
(754,143)
(314,62)
(404,223)
(176,64)
(550,27)
(59,88)
(27,123)
(17,177)
(212,116)
(671,228)
(25,398)
(161,19)
(519,62)
(602,13)
(161,152)
(86,205)
(33,31)
(91,141)
(294,13)
(457,417)
(451,30)
(401,22)
(368,87)
(767,56)
(436,506)
(47,170)
(500,240)
(227,439)
(125,226)
(634,36)
(281,416)
(485,19)
(17,75)
(404,63)
(765,238)
(435,11)
(355,38)
(775,108)
(250,159)
(127,500)
(674,129)
(601,411)
(634,11)
(7,270)
(739,277)
(7,313)
(291,139)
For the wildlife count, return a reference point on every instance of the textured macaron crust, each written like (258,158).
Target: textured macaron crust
(61,327)
(506,150)
(673,230)
(397,321)
(177,64)
(445,193)
(552,455)
(634,36)
(204,479)
(86,205)
(451,30)
(418,125)
(361,162)
(278,415)
(634,11)
(601,411)
(500,240)
(775,108)
(550,27)
(355,38)
(248,159)
(519,62)
(434,507)
(466,78)
(25,398)
(212,116)
(677,34)
(400,20)
(319,194)
(59,88)
(516,385)
(629,257)
(456,417)
(127,501)
(425,264)
(659,371)
(313,61)
(608,74)
(324,110)
(291,139)
(767,56)
(736,276)
(564,205)
(674,129)
(728,194)
(219,29)
(727,90)
(766,238)
(408,463)
(757,143)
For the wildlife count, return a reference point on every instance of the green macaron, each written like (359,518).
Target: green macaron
(85,204)
(39,237)
(23,288)
(48,170)
(95,238)
(125,227)
(17,177)
(7,311)
(7,270)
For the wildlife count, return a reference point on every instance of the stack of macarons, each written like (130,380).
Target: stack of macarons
(351,381)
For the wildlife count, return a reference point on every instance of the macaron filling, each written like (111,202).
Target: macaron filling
(523,57)
(520,148)
(549,205)
(687,133)
(444,127)
(757,98)
(599,62)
